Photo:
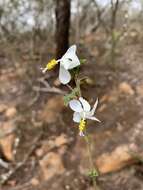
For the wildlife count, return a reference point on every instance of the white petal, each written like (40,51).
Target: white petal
(71,49)
(81,134)
(70,59)
(75,105)
(85,104)
(94,107)
(64,75)
(44,70)
(93,118)
(76,117)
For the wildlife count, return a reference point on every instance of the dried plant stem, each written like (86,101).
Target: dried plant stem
(92,165)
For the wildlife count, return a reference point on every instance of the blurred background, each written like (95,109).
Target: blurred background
(39,143)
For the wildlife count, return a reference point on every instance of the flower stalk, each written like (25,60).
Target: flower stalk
(93,173)
(80,106)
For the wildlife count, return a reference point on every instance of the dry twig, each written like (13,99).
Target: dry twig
(47,87)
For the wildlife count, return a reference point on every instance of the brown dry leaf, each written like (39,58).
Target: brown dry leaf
(47,145)
(102,108)
(52,109)
(62,150)
(51,165)
(61,140)
(126,88)
(6,142)
(118,159)
(104,98)
(111,97)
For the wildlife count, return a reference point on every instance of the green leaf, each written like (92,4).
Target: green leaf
(82,61)
(75,71)
(70,96)
(93,173)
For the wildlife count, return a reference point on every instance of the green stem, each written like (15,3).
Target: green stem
(92,165)
(77,82)
(78,87)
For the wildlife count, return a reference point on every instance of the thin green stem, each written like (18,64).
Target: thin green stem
(78,87)
(77,82)
(89,151)
(92,165)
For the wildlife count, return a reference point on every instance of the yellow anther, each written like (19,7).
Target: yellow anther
(51,64)
(82,125)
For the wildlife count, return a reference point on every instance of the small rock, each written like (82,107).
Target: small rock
(118,159)
(39,152)
(126,88)
(52,109)
(11,112)
(34,181)
(51,165)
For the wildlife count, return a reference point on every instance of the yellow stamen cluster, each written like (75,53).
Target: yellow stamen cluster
(82,125)
(51,64)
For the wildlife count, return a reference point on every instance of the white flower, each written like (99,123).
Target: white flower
(68,61)
(82,110)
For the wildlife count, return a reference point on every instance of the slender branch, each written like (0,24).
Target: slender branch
(114,8)
(51,89)
(47,87)
(4,164)
(99,16)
